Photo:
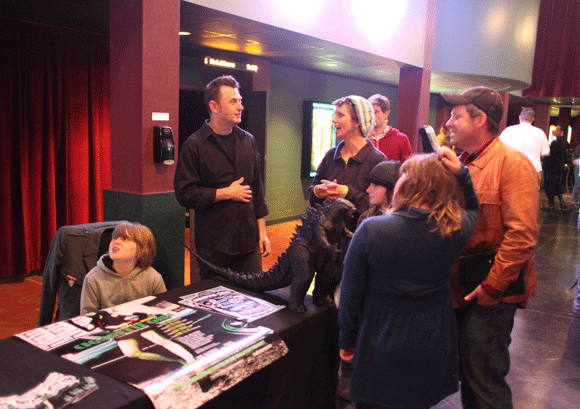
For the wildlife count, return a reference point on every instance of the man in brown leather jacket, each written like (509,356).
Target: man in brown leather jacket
(504,239)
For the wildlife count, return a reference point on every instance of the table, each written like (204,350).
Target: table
(304,378)
(25,366)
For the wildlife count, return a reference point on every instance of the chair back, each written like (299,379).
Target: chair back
(74,251)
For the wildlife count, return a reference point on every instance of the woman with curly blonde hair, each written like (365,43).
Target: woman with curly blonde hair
(427,184)
(395,316)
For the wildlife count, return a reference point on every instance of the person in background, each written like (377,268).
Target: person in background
(395,317)
(443,137)
(501,247)
(576,166)
(528,139)
(392,142)
(576,303)
(218,175)
(554,165)
(124,273)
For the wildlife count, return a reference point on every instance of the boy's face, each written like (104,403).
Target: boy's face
(380,116)
(123,250)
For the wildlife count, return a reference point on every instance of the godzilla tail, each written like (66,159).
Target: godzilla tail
(276,277)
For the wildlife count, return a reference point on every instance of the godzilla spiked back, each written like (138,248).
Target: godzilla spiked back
(314,248)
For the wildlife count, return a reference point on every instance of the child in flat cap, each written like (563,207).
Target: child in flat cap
(381,180)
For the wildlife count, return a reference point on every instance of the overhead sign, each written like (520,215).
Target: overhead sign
(234,65)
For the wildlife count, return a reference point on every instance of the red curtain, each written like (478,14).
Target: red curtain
(55,142)
(557,60)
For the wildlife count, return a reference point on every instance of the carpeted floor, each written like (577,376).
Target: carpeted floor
(19,305)
(279,236)
(20,301)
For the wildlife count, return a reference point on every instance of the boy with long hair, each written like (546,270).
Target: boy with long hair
(124,273)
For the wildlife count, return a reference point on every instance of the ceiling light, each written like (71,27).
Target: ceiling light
(299,10)
(370,18)
(184,33)
(211,34)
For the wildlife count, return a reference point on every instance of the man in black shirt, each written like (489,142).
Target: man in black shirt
(218,175)
(553,166)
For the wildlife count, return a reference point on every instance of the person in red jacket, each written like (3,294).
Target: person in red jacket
(392,142)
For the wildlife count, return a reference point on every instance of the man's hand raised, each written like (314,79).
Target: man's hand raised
(235,191)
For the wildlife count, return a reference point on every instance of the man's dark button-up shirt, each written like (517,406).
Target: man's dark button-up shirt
(227,226)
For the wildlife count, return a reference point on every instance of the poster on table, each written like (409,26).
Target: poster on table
(165,348)
(229,302)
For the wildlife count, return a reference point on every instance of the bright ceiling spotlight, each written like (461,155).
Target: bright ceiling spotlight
(378,19)
(299,10)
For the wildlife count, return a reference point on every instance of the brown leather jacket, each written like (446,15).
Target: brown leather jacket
(507,186)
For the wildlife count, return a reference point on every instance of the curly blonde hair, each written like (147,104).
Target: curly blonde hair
(429,184)
(144,239)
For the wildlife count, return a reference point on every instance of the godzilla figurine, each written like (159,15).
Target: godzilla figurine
(314,248)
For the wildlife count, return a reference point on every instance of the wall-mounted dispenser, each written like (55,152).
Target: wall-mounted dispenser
(163,145)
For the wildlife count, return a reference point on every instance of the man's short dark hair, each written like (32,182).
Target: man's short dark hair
(527,115)
(381,101)
(212,90)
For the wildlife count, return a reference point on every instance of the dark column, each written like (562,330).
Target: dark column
(575,140)
(413,104)
(144,65)
(414,86)
(543,118)
(564,118)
